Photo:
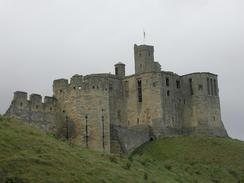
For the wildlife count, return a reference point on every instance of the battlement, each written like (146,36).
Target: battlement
(142,48)
(100,83)
(20,95)
(20,101)
(201,83)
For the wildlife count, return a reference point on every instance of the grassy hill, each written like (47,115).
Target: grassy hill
(30,155)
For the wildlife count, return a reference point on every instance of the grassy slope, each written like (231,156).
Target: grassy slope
(30,155)
(197,159)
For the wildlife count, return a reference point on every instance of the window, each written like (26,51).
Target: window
(86,136)
(60,91)
(74,88)
(190,84)
(21,104)
(138,121)
(177,84)
(116,70)
(110,87)
(168,93)
(119,115)
(139,91)
(208,86)
(215,88)
(36,106)
(211,86)
(167,81)
(126,88)
(103,134)
(200,87)
(51,108)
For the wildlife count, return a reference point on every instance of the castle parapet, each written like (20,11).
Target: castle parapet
(201,84)
(60,83)
(20,95)
(60,86)
(20,100)
(34,111)
(49,100)
(76,80)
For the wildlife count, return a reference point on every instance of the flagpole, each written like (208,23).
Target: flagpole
(144,37)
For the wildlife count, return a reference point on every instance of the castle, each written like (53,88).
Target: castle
(117,113)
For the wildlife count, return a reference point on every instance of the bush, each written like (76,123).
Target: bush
(168,167)
(113,159)
(127,166)
(145,176)
(14,180)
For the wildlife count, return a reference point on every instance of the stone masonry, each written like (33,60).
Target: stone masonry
(117,113)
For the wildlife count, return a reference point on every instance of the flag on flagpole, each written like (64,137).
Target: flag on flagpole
(144,36)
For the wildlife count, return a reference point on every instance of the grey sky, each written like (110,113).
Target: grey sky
(44,40)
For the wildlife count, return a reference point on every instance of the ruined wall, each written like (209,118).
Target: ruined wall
(38,114)
(201,105)
(85,104)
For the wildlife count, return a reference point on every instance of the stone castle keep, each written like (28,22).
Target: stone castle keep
(117,113)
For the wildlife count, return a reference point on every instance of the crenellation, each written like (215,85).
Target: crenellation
(76,80)
(20,95)
(117,113)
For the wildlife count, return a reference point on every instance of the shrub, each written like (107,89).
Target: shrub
(127,166)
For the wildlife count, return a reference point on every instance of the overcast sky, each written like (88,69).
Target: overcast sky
(42,40)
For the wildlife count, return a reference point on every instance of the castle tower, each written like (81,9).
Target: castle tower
(144,59)
(120,70)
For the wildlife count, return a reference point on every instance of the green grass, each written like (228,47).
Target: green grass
(198,159)
(31,155)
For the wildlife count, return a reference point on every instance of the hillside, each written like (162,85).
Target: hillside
(30,155)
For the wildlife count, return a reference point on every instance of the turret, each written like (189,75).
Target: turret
(120,70)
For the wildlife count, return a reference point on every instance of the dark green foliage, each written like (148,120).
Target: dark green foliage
(127,166)
(145,176)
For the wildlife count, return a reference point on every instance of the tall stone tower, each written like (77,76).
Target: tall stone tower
(144,59)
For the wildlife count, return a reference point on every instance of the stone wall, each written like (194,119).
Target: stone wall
(125,140)
(148,111)
(85,102)
(202,107)
(171,105)
(34,111)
